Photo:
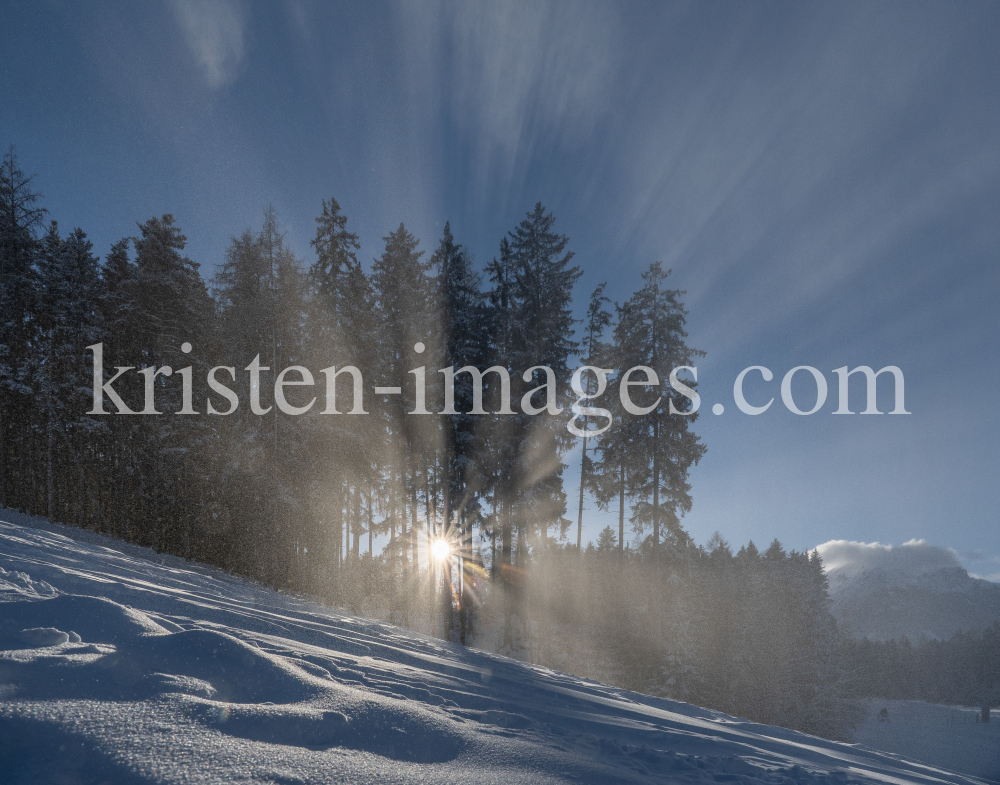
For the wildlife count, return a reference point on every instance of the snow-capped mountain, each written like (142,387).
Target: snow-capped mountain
(915,590)
(119,665)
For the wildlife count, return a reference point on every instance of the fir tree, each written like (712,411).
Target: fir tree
(463,344)
(172,308)
(20,220)
(341,330)
(543,295)
(650,332)
(67,321)
(596,323)
(402,289)
(260,291)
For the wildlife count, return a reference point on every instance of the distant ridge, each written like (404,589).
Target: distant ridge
(913,590)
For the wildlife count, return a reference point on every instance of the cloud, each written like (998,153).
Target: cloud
(516,78)
(982,565)
(912,558)
(518,63)
(215,33)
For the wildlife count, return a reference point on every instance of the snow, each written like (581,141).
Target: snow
(120,665)
(950,736)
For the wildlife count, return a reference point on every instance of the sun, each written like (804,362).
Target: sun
(441,550)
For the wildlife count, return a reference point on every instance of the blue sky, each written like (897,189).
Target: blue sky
(824,180)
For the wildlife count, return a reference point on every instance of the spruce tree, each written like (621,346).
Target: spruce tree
(598,319)
(172,308)
(402,291)
(67,321)
(259,290)
(463,344)
(20,220)
(120,317)
(341,329)
(650,332)
(530,314)
(543,297)
(501,437)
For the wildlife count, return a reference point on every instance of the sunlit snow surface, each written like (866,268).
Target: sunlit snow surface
(119,665)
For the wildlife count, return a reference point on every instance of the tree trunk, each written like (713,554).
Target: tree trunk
(356,524)
(50,491)
(656,484)
(621,511)
(414,542)
(579,515)
(3,454)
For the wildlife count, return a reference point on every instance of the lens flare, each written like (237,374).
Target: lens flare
(441,549)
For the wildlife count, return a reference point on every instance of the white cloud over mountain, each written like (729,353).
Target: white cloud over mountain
(915,557)
(915,589)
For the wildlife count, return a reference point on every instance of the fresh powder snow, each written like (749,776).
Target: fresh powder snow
(121,665)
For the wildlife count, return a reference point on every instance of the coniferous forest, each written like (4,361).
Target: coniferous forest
(349,508)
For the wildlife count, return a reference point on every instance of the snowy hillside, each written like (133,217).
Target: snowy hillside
(119,665)
(914,590)
(951,736)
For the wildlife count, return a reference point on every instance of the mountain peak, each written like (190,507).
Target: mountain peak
(914,590)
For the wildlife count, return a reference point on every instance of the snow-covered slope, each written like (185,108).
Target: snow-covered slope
(914,590)
(122,666)
(951,736)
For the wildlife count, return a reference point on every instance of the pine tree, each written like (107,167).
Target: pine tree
(463,344)
(530,315)
(543,295)
(172,308)
(596,323)
(260,293)
(341,328)
(402,291)
(20,220)
(67,321)
(650,332)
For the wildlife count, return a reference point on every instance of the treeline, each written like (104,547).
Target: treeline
(290,500)
(348,507)
(749,633)
(961,671)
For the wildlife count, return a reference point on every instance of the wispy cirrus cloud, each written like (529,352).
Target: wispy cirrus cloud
(516,80)
(215,32)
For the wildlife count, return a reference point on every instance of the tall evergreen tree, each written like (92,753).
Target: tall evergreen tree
(543,296)
(532,322)
(618,462)
(20,220)
(120,316)
(260,293)
(402,290)
(172,308)
(597,321)
(501,433)
(341,329)
(650,332)
(463,344)
(67,320)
